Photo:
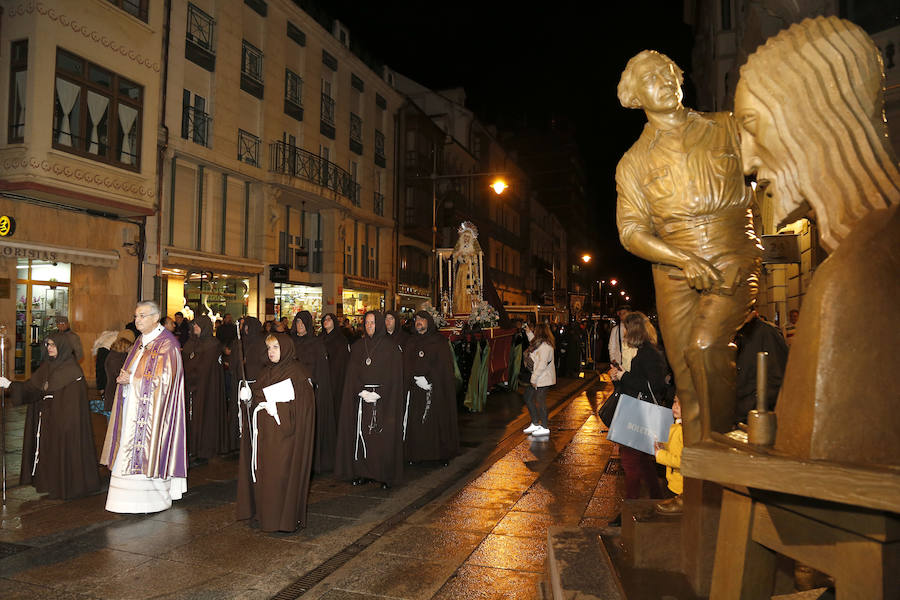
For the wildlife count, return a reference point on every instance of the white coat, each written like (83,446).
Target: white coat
(544,372)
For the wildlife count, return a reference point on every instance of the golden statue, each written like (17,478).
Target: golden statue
(810,106)
(467,277)
(683,205)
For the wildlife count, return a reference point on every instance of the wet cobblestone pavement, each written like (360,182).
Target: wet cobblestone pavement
(474,529)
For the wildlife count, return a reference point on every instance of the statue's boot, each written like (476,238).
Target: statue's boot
(713,373)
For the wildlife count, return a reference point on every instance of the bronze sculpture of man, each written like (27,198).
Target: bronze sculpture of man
(683,205)
(810,106)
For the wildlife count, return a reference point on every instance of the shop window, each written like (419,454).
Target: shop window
(292,298)
(97,113)
(17,100)
(214,294)
(42,295)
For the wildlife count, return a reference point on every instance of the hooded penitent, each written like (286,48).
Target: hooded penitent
(369,442)
(338,349)
(431,431)
(284,452)
(61,461)
(312,354)
(204,393)
(399,336)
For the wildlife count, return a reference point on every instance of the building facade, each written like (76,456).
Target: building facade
(79,171)
(450,159)
(277,191)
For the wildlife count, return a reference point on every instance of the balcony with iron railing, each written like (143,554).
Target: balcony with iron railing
(200,44)
(252,69)
(196,125)
(326,124)
(297,162)
(248,148)
(380,158)
(356,128)
(293,95)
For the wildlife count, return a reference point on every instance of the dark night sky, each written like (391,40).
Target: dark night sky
(522,66)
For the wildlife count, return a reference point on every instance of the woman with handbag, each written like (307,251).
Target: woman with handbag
(647,375)
(539,359)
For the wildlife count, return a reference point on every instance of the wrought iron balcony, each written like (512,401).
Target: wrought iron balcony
(356,133)
(380,158)
(252,70)
(201,29)
(248,148)
(327,109)
(196,125)
(297,162)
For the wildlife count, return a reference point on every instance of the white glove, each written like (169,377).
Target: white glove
(369,396)
(422,382)
(244,393)
(4,382)
(272,409)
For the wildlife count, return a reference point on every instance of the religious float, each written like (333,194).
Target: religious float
(482,348)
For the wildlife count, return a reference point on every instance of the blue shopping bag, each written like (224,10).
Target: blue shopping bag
(639,423)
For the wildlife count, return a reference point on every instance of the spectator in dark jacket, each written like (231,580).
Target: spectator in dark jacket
(648,373)
(758,335)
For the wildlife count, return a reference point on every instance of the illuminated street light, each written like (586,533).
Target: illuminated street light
(622,293)
(628,297)
(613,281)
(499,186)
(586,258)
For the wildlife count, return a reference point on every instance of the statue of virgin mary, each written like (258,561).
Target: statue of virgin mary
(467,276)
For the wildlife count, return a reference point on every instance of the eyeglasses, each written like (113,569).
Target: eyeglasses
(143,316)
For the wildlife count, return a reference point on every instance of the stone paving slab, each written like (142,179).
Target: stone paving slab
(76,550)
(505,511)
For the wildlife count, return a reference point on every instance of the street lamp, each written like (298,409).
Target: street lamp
(586,258)
(612,282)
(499,186)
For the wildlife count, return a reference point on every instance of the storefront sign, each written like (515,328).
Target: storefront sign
(7,226)
(32,253)
(52,253)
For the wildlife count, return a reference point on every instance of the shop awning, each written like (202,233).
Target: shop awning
(215,263)
(360,283)
(54,253)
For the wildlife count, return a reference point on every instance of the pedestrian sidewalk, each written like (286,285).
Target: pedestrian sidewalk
(77,550)
(486,537)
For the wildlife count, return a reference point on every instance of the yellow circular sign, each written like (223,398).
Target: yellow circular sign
(7,226)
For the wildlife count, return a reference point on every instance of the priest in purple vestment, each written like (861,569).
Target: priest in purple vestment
(145,446)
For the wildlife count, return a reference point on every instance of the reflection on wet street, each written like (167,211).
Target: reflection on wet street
(475,529)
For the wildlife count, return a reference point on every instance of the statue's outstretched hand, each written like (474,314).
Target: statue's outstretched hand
(700,274)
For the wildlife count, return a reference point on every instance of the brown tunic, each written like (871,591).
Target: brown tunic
(277,499)
(57,400)
(369,443)
(311,353)
(204,392)
(432,432)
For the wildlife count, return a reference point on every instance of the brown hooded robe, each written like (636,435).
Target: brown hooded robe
(432,432)
(369,444)
(58,422)
(277,499)
(204,392)
(312,354)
